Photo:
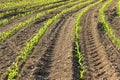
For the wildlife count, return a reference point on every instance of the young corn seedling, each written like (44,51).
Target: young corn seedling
(106,25)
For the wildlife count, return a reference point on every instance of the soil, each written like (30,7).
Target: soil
(44,61)
(7,56)
(24,35)
(54,58)
(47,59)
(15,43)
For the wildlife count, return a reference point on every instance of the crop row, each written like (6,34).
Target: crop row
(78,28)
(118,8)
(106,24)
(23,3)
(25,51)
(6,21)
(10,5)
(7,34)
(22,9)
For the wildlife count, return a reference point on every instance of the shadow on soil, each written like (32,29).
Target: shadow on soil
(44,64)
(75,66)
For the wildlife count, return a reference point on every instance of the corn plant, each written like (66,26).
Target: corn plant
(106,24)
(13,72)
(6,13)
(3,22)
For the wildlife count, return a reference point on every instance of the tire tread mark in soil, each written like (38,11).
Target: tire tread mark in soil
(25,71)
(14,51)
(45,44)
(111,49)
(13,47)
(62,58)
(42,50)
(94,53)
(44,63)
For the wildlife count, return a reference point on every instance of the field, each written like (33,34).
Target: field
(59,39)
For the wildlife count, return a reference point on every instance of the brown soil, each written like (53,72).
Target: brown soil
(22,36)
(62,53)
(115,24)
(45,58)
(12,45)
(14,23)
(16,42)
(97,61)
(54,58)
(43,50)
(7,56)
(44,61)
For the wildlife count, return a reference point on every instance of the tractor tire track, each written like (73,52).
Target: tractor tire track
(42,51)
(97,63)
(111,50)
